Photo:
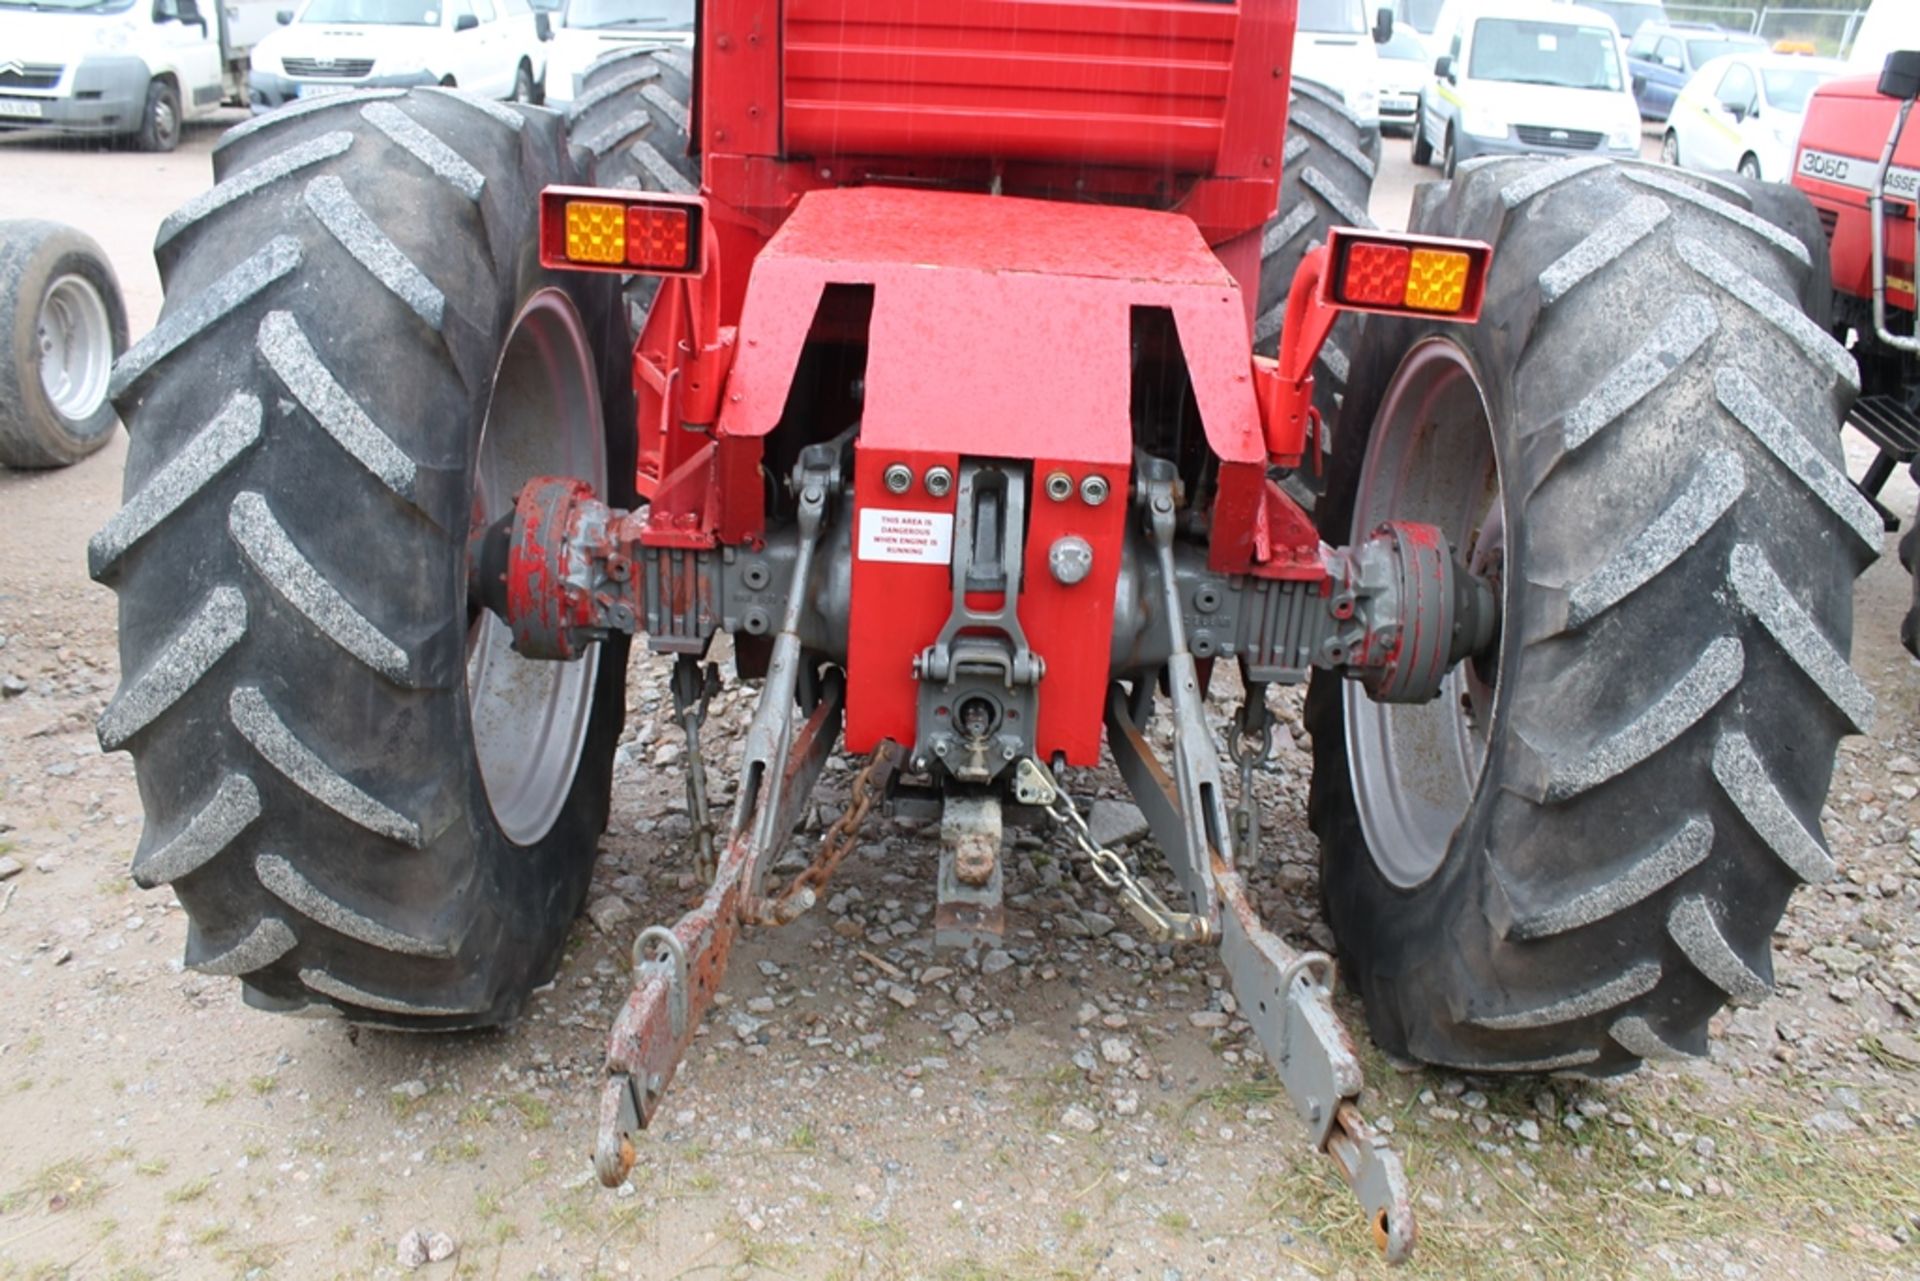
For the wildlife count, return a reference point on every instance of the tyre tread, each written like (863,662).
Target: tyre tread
(300,765)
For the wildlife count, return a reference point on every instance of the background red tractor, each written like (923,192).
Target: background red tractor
(1861,167)
(942,410)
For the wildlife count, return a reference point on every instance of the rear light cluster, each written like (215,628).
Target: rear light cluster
(583,227)
(1408,275)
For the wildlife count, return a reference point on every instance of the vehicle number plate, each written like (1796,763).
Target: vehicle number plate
(320,91)
(20,110)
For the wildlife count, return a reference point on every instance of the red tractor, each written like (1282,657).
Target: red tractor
(1866,202)
(943,409)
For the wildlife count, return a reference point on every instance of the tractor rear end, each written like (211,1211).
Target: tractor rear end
(943,409)
(1860,165)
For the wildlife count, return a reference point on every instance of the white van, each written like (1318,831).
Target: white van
(589,29)
(1889,25)
(1334,46)
(1520,78)
(132,68)
(494,48)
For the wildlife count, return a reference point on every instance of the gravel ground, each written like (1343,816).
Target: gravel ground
(1077,1103)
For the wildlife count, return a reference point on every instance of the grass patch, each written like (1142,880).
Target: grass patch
(70,1184)
(1595,1202)
(533,1112)
(189,1192)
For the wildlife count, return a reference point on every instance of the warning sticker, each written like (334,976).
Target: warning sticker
(917,538)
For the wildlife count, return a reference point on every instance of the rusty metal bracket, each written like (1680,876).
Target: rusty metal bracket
(1288,998)
(655,1026)
(782,761)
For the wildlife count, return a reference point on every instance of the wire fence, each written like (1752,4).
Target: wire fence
(1829,31)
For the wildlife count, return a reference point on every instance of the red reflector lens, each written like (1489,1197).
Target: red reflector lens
(657,238)
(1375,275)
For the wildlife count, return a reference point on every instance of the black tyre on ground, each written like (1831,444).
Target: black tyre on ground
(1579,853)
(1326,180)
(1910,561)
(160,118)
(1422,149)
(64,324)
(524,88)
(633,115)
(360,795)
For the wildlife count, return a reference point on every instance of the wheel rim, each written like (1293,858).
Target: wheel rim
(75,338)
(165,119)
(1431,458)
(523,84)
(1750,169)
(530,716)
(1670,150)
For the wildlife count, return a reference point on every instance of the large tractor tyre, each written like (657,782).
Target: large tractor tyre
(64,323)
(634,116)
(1789,209)
(362,797)
(1332,99)
(1326,181)
(1578,853)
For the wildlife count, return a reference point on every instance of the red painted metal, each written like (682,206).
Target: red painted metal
(1314,302)
(1850,119)
(544,603)
(1001,328)
(1177,104)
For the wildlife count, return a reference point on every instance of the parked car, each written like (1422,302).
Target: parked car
(588,29)
(1741,113)
(1405,67)
(1519,77)
(492,47)
(126,68)
(1334,46)
(1663,56)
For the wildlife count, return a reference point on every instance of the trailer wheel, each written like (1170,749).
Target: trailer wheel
(159,118)
(64,323)
(1579,852)
(633,114)
(362,797)
(1326,181)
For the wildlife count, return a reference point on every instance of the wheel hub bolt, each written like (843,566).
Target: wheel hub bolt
(898,478)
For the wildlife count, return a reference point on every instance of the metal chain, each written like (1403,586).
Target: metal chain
(1250,746)
(1034,785)
(693,689)
(866,791)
